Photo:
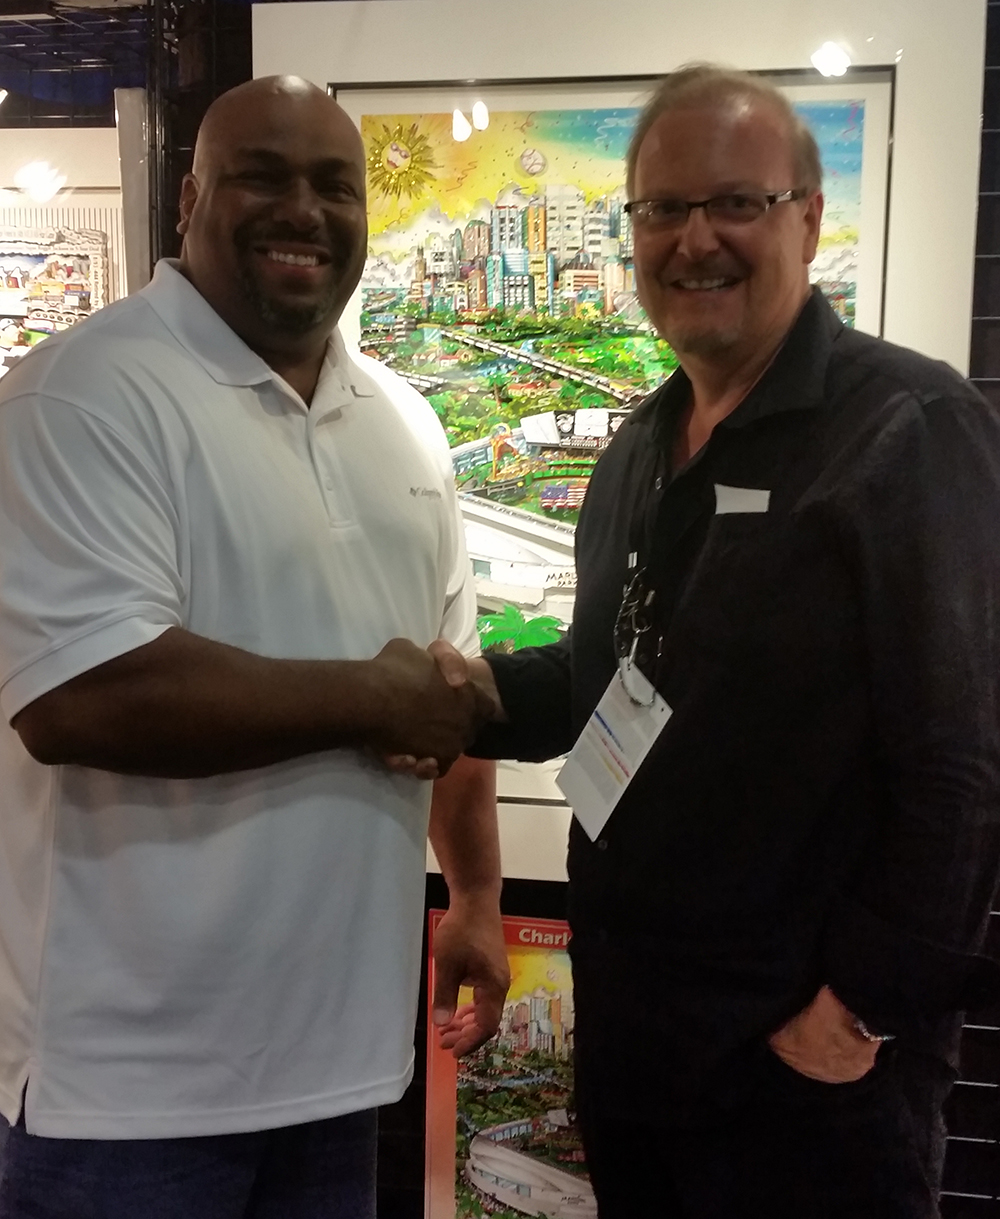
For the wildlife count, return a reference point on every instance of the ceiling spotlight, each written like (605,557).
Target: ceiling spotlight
(3,96)
(39,181)
(461,128)
(480,116)
(831,59)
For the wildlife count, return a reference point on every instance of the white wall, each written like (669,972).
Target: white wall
(88,156)
(939,47)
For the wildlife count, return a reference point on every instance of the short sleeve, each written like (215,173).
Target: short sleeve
(458,624)
(458,621)
(89,547)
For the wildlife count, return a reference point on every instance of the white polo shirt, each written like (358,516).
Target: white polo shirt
(190,957)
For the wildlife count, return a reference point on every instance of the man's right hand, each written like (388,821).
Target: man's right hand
(427,712)
(457,670)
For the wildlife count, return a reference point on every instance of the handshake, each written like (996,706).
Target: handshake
(428,705)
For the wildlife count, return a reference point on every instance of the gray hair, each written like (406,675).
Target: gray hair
(699,84)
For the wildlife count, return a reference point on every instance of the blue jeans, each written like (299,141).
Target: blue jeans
(320,1170)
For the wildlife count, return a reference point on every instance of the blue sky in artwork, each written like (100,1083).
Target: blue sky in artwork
(838,128)
(606,131)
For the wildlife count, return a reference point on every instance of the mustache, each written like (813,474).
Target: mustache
(252,232)
(703,270)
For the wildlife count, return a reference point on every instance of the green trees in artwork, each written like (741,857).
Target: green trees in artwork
(471,416)
(509,630)
(573,395)
(497,382)
(442,317)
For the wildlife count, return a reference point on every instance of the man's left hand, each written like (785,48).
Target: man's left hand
(823,1043)
(469,950)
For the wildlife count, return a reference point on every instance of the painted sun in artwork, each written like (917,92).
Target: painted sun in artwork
(400,161)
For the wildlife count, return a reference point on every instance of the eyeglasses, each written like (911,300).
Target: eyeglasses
(727,210)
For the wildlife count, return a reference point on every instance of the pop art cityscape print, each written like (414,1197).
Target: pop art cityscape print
(500,281)
(502,1137)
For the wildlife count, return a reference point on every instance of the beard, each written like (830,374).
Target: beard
(285,316)
(703,343)
(688,330)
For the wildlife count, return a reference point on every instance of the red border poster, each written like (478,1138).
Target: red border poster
(502,1138)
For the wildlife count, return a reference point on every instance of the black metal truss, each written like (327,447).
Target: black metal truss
(197,50)
(63,72)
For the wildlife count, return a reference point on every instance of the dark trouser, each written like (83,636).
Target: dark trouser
(798,1149)
(319,1170)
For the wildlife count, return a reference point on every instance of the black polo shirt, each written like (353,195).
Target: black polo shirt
(824,804)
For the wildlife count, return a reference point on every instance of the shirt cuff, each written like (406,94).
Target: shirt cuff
(538,712)
(895,981)
(77,655)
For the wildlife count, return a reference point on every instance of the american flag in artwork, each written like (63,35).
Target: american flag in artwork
(564,495)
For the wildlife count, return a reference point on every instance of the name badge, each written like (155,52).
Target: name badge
(740,499)
(611,749)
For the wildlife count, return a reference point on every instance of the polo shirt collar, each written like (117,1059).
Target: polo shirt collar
(797,375)
(216,346)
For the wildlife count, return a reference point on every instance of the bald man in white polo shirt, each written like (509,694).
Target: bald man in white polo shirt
(225,543)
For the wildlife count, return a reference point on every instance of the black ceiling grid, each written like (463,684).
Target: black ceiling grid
(63,71)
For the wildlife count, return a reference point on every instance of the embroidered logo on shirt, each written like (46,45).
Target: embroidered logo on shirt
(425,493)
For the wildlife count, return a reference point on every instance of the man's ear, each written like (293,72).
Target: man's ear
(814,219)
(189,196)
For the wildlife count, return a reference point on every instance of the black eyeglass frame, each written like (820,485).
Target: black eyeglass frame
(769,200)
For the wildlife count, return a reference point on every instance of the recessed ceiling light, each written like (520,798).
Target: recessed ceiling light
(39,181)
(831,59)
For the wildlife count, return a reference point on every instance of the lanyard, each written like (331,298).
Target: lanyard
(638,641)
(663,549)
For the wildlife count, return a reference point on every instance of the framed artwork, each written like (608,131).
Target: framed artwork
(53,276)
(500,282)
(49,279)
(501,1130)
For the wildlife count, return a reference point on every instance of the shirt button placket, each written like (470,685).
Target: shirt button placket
(323,481)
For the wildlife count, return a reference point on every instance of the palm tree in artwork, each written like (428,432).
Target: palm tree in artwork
(509,630)
(497,382)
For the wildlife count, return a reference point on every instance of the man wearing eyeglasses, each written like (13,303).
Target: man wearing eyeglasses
(777,925)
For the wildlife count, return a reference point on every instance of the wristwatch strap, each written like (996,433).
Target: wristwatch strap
(865,1031)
